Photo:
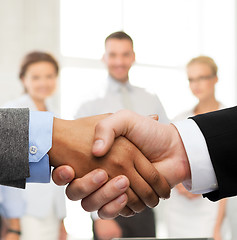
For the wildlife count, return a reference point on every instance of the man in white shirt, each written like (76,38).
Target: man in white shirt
(120,94)
(199,151)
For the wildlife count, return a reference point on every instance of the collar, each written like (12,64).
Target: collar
(115,86)
(32,105)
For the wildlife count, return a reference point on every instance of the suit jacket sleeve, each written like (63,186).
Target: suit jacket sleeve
(220,132)
(14,144)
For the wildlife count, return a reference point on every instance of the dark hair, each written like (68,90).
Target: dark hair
(119,35)
(34,57)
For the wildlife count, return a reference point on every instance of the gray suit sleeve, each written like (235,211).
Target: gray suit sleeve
(14,144)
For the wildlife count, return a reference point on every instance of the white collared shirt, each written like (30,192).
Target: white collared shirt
(142,101)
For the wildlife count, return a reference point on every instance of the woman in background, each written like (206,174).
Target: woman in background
(45,208)
(191,215)
(11,211)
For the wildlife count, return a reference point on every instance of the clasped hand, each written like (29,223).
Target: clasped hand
(116,156)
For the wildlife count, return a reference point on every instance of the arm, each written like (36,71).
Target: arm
(14,141)
(174,150)
(13,208)
(14,229)
(71,145)
(219,219)
(62,232)
(220,130)
(162,145)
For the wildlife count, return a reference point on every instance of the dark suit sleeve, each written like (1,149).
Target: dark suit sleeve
(14,144)
(220,132)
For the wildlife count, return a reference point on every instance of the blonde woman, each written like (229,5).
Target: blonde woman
(191,215)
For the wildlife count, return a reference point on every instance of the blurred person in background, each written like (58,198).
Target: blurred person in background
(11,211)
(187,214)
(45,203)
(119,57)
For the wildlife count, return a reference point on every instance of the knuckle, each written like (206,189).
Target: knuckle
(127,112)
(100,126)
(76,190)
(70,194)
(104,196)
(155,177)
(80,187)
(86,205)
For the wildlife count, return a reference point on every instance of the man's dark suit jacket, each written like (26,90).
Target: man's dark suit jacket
(220,132)
(14,144)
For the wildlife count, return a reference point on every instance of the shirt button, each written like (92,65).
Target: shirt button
(33,150)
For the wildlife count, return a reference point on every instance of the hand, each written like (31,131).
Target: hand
(160,143)
(72,143)
(11,236)
(107,229)
(110,198)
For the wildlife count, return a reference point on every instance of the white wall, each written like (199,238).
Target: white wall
(25,25)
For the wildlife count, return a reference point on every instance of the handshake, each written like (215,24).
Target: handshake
(117,163)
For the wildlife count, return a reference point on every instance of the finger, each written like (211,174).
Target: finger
(142,189)
(154,117)
(63,175)
(106,194)
(134,202)
(127,212)
(152,177)
(113,208)
(83,187)
(108,129)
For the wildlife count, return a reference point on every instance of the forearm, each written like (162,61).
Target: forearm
(14,127)
(13,224)
(221,214)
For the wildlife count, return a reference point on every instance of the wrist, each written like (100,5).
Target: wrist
(58,141)
(183,171)
(14,231)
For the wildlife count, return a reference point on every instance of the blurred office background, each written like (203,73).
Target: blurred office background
(166,34)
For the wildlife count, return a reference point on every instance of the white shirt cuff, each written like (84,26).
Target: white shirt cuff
(203,178)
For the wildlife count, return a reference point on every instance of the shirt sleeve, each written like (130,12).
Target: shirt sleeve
(13,203)
(40,142)
(203,178)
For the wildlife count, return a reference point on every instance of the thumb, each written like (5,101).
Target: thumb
(108,129)
(63,175)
